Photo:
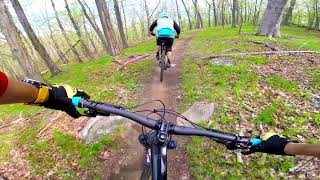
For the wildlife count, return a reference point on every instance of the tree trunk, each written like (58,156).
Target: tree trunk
(34,39)
(94,26)
(125,20)
(120,24)
(188,14)
(88,34)
(215,14)
(199,22)
(257,16)
(288,15)
(147,14)
(209,15)
(222,14)
(56,45)
(134,29)
(317,16)
(272,18)
(178,13)
(61,56)
(78,32)
(113,45)
(14,40)
(64,32)
(235,10)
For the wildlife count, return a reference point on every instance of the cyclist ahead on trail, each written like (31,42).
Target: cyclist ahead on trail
(167,29)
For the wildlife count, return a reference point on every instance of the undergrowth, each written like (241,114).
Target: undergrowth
(241,93)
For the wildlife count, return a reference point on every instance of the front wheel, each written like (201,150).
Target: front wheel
(147,168)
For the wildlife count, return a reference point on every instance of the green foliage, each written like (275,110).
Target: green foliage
(241,94)
(214,161)
(6,144)
(13,110)
(148,46)
(282,84)
(266,115)
(315,78)
(258,60)
(316,119)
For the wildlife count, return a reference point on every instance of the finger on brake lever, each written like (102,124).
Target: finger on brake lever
(94,113)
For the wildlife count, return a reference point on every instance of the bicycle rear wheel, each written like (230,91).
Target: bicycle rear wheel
(162,62)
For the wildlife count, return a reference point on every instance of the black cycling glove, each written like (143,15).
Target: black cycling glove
(60,99)
(271,143)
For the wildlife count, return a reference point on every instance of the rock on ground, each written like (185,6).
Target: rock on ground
(316,102)
(99,126)
(199,111)
(219,61)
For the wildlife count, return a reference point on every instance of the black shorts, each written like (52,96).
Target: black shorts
(168,41)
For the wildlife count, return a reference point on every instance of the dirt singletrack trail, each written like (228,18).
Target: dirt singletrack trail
(129,162)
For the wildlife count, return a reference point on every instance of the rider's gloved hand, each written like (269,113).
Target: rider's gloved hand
(59,98)
(272,143)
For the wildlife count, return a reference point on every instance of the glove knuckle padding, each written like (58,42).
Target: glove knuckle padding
(60,99)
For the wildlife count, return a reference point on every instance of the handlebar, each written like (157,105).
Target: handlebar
(103,108)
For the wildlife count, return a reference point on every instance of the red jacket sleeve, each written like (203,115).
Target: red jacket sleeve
(3,83)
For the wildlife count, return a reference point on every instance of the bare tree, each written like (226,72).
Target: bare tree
(257,14)
(235,10)
(148,14)
(120,24)
(188,14)
(317,15)
(215,14)
(56,45)
(78,31)
(93,25)
(15,42)
(34,39)
(271,21)
(113,45)
(88,35)
(178,13)
(64,32)
(199,22)
(288,15)
(209,13)
(223,13)
(124,19)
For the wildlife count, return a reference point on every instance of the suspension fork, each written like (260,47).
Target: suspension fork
(159,161)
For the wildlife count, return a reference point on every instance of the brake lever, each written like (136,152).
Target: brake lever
(93,113)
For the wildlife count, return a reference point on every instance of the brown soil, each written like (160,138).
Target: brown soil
(127,164)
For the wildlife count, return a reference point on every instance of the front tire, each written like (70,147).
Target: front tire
(147,167)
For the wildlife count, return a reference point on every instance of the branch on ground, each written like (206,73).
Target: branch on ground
(266,45)
(131,59)
(260,53)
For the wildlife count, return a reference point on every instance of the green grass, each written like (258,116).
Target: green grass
(315,78)
(232,87)
(282,84)
(6,145)
(45,155)
(14,110)
(148,46)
